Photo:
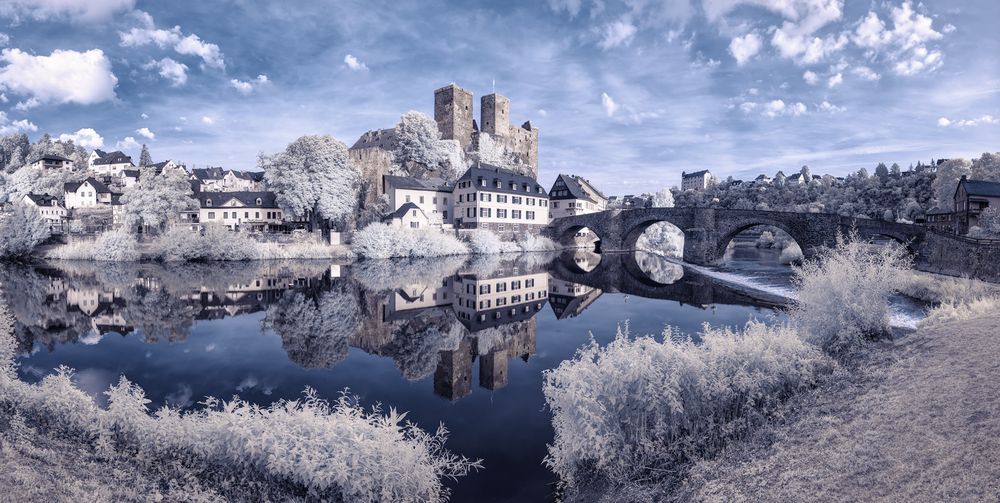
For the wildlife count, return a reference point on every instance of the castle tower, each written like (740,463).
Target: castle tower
(494,110)
(453,114)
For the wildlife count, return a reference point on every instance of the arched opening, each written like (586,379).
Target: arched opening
(760,248)
(581,237)
(658,268)
(580,260)
(658,237)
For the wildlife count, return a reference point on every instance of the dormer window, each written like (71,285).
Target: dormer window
(208,202)
(260,201)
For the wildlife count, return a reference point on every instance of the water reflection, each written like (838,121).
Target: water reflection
(431,317)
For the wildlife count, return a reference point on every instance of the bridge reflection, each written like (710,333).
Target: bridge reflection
(431,317)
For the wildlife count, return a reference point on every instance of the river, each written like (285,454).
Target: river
(453,341)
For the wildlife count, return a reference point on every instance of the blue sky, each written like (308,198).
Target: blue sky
(628,93)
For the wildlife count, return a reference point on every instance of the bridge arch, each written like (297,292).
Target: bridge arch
(637,230)
(727,237)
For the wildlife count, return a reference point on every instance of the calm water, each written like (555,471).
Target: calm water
(432,337)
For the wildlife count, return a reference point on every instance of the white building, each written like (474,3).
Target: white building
(227,180)
(410,216)
(49,207)
(89,193)
(699,180)
(487,197)
(250,211)
(481,302)
(572,195)
(52,161)
(433,197)
(111,163)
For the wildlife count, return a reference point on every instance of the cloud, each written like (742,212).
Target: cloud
(775,108)
(145,133)
(171,70)
(246,87)
(65,76)
(982,120)
(828,107)
(905,45)
(865,73)
(810,77)
(144,115)
(128,143)
(835,80)
(76,11)
(920,59)
(4,39)
(745,47)
(616,34)
(189,45)
(86,137)
(207,120)
(355,64)
(8,126)
(610,107)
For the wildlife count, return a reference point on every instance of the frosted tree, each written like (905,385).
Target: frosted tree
(663,199)
(989,224)
(662,237)
(418,142)
(21,229)
(13,148)
(806,174)
(490,152)
(987,167)
(882,171)
(779,179)
(894,170)
(946,181)
(313,179)
(144,158)
(34,180)
(156,200)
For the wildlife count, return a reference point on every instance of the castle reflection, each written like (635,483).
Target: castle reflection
(439,317)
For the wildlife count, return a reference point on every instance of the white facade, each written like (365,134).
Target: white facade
(53,162)
(571,195)
(52,212)
(436,204)
(216,180)
(409,216)
(88,194)
(233,213)
(474,295)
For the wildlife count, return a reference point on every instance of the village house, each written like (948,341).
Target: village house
(971,198)
(940,220)
(246,211)
(572,195)
(699,180)
(112,163)
(433,197)
(226,180)
(488,197)
(52,161)
(409,216)
(89,193)
(49,207)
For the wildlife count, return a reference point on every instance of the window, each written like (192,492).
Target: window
(414,212)
(414,225)
(434,200)
(468,213)
(208,202)
(501,287)
(501,213)
(501,198)
(256,214)
(484,289)
(246,214)
(513,186)
(528,283)
(516,199)
(555,204)
(446,200)
(225,214)
(515,214)
(211,215)
(421,199)
(482,182)
(515,285)
(472,197)
(531,215)
(460,198)
(444,214)
(259,201)
(485,212)
(407,198)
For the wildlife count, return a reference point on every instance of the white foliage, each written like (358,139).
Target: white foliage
(21,229)
(663,199)
(790,253)
(662,238)
(844,292)
(112,246)
(313,176)
(534,243)
(216,242)
(639,407)
(960,310)
(156,199)
(379,240)
(490,152)
(485,242)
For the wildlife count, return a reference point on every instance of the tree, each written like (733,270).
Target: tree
(144,158)
(156,200)
(946,181)
(988,225)
(21,229)
(987,167)
(882,171)
(663,199)
(779,179)
(313,179)
(419,143)
(894,170)
(494,154)
(806,174)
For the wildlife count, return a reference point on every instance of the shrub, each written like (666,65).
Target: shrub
(641,407)
(533,243)
(329,451)
(112,246)
(22,228)
(939,289)
(765,240)
(790,253)
(968,309)
(844,292)
(379,240)
(484,242)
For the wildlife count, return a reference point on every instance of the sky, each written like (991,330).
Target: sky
(627,93)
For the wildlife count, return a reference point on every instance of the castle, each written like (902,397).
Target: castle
(453,112)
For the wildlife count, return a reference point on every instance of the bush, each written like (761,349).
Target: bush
(765,240)
(952,310)
(22,228)
(641,407)
(844,292)
(112,246)
(379,240)
(330,451)
(938,289)
(790,253)
(484,242)
(533,243)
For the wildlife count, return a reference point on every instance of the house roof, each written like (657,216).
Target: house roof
(116,199)
(43,199)
(980,188)
(219,173)
(492,174)
(402,211)
(116,157)
(100,153)
(577,188)
(246,199)
(98,186)
(131,173)
(695,174)
(938,211)
(408,182)
(51,157)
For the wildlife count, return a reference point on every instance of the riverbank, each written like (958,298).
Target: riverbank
(915,419)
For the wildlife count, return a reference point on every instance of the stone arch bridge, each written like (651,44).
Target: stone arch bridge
(708,231)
